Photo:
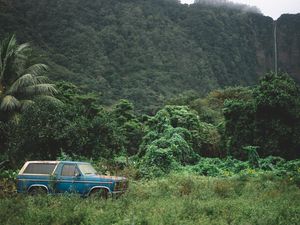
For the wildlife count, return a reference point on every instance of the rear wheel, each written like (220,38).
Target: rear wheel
(37,191)
(99,193)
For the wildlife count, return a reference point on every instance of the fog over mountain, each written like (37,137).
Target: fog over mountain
(269,8)
(231,4)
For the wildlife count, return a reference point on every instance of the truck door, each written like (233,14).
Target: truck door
(65,181)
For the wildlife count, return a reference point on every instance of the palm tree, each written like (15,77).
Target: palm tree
(20,82)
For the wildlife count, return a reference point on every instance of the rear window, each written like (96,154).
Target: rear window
(40,168)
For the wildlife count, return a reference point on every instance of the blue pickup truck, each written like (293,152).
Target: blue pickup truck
(67,176)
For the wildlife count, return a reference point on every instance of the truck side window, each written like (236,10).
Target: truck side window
(68,170)
(39,168)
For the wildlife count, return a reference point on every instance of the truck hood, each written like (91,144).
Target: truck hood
(112,178)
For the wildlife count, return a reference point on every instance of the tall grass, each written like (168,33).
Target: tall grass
(174,199)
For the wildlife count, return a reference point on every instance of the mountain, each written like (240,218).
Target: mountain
(288,44)
(151,50)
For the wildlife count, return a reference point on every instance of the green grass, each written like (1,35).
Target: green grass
(175,199)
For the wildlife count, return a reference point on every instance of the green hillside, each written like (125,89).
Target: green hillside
(145,51)
(149,51)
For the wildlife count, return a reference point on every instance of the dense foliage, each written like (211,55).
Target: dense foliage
(270,120)
(241,122)
(149,50)
(246,123)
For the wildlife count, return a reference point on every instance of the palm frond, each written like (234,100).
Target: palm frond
(25,81)
(22,47)
(15,118)
(40,89)
(9,103)
(8,45)
(50,99)
(41,79)
(25,104)
(21,53)
(37,69)
(7,48)
(21,82)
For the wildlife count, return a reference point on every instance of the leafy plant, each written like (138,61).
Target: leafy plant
(253,156)
(20,82)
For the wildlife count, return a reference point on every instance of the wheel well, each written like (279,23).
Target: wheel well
(38,186)
(99,188)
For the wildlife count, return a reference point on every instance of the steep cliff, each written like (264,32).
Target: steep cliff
(288,44)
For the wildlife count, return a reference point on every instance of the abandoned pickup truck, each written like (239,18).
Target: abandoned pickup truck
(38,177)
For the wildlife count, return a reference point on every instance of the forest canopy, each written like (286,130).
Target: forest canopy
(150,51)
(239,122)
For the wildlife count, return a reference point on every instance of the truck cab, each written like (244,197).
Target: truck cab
(67,177)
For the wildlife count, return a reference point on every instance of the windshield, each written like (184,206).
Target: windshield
(87,169)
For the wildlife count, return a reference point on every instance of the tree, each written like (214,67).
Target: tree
(277,106)
(131,128)
(41,132)
(239,126)
(20,82)
(270,120)
(173,121)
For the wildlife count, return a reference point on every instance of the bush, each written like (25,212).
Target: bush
(231,167)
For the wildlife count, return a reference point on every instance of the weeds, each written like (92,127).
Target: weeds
(232,193)
(175,199)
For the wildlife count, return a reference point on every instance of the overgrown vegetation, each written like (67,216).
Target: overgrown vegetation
(198,154)
(244,123)
(175,199)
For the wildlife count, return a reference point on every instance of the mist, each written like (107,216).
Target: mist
(229,4)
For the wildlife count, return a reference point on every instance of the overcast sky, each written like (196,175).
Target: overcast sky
(273,8)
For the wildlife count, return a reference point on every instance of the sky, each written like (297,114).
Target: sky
(273,8)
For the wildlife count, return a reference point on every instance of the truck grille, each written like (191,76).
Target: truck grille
(121,185)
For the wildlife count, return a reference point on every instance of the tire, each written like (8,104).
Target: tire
(99,193)
(34,191)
